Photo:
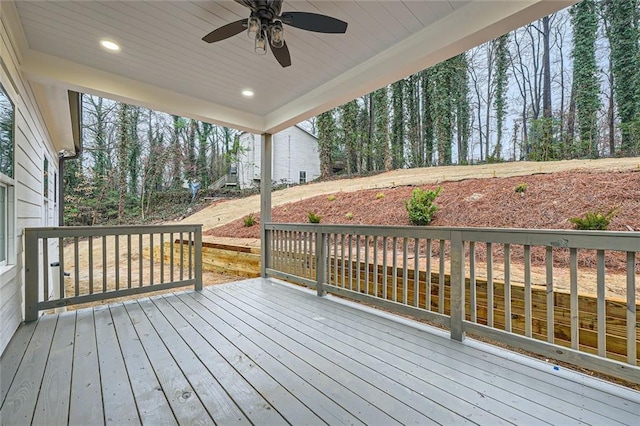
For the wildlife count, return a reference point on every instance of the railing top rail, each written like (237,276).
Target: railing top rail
(601,240)
(93,231)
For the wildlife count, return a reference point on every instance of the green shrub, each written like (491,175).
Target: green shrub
(521,189)
(249,220)
(594,221)
(420,206)
(314,218)
(331,197)
(349,215)
(379,195)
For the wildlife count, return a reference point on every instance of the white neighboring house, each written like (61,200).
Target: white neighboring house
(296,158)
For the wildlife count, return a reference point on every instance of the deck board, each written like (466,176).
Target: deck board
(13,355)
(85,405)
(117,395)
(254,406)
(262,352)
(152,403)
(53,404)
(184,401)
(22,396)
(410,369)
(272,390)
(472,374)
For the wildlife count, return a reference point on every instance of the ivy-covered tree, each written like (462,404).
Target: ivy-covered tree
(397,125)
(381,152)
(622,18)
(460,93)
(443,108)
(500,82)
(349,120)
(326,133)
(416,149)
(426,90)
(123,148)
(204,131)
(585,76)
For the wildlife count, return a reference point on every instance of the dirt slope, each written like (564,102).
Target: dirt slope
(547,203)
(222,213)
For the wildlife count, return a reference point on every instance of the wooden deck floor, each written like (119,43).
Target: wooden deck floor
(261,352)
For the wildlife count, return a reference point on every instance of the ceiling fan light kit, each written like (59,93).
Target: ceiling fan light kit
(265,26)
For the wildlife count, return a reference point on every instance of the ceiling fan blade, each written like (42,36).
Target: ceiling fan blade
(281,54)
(314,22)
(226,31)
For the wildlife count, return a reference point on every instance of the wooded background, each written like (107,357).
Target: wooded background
(566,86)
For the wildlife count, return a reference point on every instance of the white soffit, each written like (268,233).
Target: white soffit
(164,65)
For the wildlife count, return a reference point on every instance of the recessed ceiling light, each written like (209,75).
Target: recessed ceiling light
(110,45)
(247,93)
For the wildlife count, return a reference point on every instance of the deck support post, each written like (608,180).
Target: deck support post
(198,257)
(321,262)
(457,286)
(265,200)
(31,275)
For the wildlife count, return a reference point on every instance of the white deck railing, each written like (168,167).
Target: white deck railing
(525,288)
(131,270)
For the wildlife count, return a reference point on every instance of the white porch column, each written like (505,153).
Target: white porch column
(265,199)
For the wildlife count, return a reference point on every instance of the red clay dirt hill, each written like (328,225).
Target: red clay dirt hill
(547,203)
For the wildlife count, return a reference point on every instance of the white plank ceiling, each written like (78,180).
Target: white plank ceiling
(165,65)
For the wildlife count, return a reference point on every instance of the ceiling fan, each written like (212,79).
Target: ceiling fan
(265,26)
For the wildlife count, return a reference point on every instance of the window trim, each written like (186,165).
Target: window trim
(9,182)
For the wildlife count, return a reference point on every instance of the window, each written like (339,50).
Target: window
(303,177)
(6,173)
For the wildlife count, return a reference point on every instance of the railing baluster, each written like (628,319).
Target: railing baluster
(366,264)
(631,309)
(550,304)
(128,260)
(416,272)
(90,268)
(161,258)
(335,261)
(342,259)
(527,290)
(375,265)
(171,255)
(441,276)
(405,271)
(140,258)
(191,240)
(61,257)
(490,285)
(76,267)
(428,284)
(104,264)
(151,262)
(385,272)
(117,261)
(394,270)
(573,285)
(602,325)
(358,263)
(473,302)
(45,268)
(181,256)
(350,262)
(507,287)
